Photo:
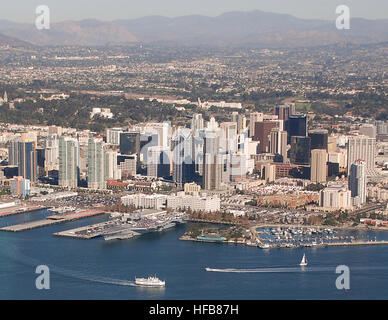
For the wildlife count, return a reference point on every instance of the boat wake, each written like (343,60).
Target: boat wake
(25,260)
(265,270)
(289,269)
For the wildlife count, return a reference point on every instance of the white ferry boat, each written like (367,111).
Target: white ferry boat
(150,282)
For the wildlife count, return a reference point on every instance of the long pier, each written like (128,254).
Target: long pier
(51,220)
(92,231)
(19,210)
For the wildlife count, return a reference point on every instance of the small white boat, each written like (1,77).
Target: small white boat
(304,261)
(149,282)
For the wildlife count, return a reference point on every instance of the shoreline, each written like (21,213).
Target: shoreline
(285,246)
(255,241)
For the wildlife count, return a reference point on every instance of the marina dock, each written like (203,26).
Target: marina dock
(357,243)
(51,220)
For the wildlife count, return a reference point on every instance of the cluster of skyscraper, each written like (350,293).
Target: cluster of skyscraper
(208,153)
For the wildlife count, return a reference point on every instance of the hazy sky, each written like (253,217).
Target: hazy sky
(24,10)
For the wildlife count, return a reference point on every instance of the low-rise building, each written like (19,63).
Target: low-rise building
(145,201)
(194,203)
(20,187)
(192,188)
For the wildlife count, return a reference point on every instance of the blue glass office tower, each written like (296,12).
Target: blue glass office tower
(27,160)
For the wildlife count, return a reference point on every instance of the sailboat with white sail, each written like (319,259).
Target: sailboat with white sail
(304,261)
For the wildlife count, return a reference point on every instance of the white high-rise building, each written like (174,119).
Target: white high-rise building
(362,148)
(241,165)
(278,143)
(68,160)
(197,122)
(111,169)
(96,167)
(162,130)
(229,138)
(241,121)
(357,182)
(51,152)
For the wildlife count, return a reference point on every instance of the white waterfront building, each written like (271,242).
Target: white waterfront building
(194,203)
(145,201)
(335,196)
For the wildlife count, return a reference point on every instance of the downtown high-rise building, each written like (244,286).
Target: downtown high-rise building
(300,152)
(357,182)
(319,139)
(297,126)
(241,121)
(13,152)
(111,168)
(183,157)
(282,111)
(213,161)
(68,162)
(197,122)
(158,162)
(130,143)
(278,143)
(27,160)
(228,137)
(263,132)
(51,151)
(364,148)
(160,132)
(318,166)
(96,166)
(253,118)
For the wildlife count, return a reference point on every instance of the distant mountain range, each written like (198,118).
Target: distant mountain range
(13,42)
(255,28)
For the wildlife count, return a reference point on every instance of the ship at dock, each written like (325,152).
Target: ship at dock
(166,226)
(211,238)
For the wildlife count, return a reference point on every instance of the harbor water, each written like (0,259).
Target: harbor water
(98,269)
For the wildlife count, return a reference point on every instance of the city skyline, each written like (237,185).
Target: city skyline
(204,155)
